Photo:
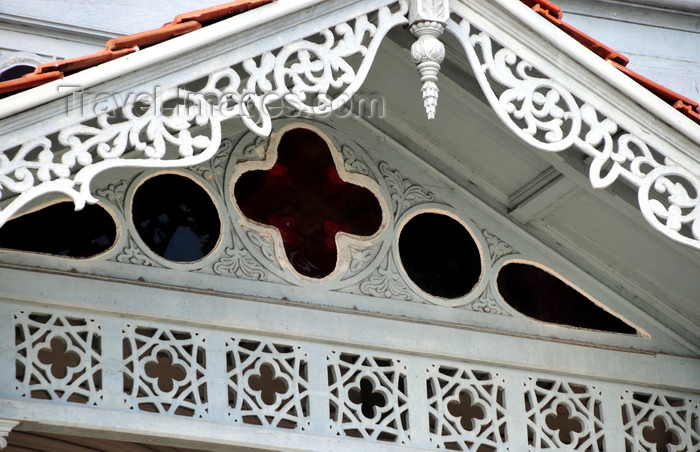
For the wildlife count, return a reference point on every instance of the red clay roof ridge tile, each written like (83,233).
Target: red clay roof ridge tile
(545,8)
(118,47)
(152,37)
(681,103)
(27,81)
(554,14)
(205,16)
(72,65)
(188,22)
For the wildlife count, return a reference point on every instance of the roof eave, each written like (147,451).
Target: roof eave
(136,61)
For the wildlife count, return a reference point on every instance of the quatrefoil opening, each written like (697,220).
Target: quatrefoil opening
(309,199)
(268,384)
(468,410)
(661,434)
(59,357)
(368,396)
(563,420)
(165,370)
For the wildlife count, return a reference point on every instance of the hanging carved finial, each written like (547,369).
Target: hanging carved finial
(427,19)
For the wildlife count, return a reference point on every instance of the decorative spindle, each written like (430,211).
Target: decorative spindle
(427,19)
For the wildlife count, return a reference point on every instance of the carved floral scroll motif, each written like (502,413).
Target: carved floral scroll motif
(547,115)
(182,128)
(320,73)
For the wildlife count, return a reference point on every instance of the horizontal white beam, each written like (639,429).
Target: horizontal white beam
(207,310)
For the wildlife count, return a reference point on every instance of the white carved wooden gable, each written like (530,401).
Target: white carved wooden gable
(366,355)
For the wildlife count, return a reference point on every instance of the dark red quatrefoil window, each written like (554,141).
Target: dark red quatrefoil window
(304,197)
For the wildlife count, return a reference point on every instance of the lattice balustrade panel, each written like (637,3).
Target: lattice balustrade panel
(562,415)
(656,421)
(368,397)
(58,357)
(466,408)
(164,371)
(268,384)
(345,393)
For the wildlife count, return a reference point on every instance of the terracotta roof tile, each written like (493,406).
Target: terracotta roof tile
(554,14)
(206,16)
(660,90)
(545,7)
(151,37)
(188,22)
(687,106)
(118,47)
(27,81)
(72,65)
(693,112)
(593,45)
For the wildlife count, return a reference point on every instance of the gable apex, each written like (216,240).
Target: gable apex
(342,225)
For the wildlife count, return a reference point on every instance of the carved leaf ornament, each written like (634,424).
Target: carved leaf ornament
(545,114)
(313,77)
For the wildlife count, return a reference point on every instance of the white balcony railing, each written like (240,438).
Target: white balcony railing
(177,380)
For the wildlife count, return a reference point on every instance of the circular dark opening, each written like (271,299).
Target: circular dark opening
(439,255)
(176,218)
(61,230)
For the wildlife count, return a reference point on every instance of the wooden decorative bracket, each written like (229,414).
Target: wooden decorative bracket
(6,426)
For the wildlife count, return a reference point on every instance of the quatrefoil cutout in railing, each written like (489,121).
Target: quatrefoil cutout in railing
(661,435)
(469,413)
(367,398)
(268,384)
(59,357)
(164,371)
(567,425)
(304,195)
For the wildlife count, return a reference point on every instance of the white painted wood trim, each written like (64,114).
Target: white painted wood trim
(259,316)
(150,56)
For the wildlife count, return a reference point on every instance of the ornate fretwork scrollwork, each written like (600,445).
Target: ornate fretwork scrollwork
(138,134)
(547,115)
(405,193)
(181,128)
(386,282)
(538,109)
(238,262)
(314,76)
